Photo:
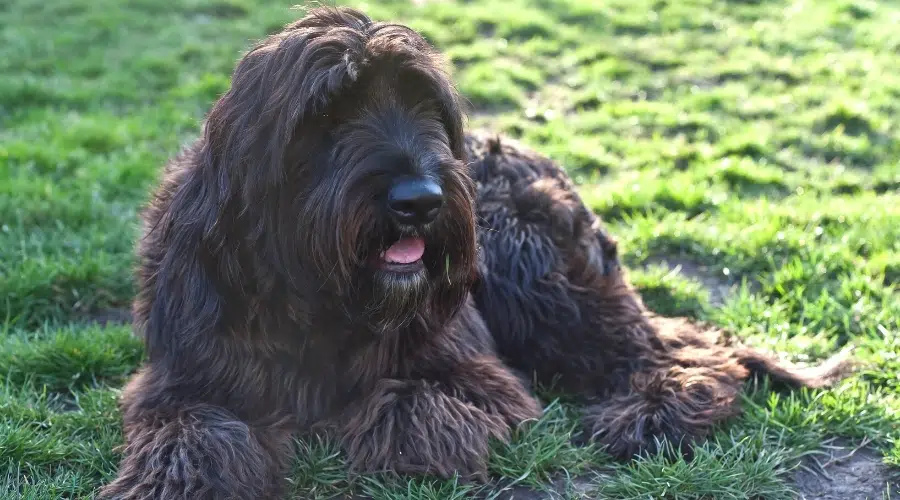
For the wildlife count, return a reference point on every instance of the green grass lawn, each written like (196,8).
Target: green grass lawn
(745,153)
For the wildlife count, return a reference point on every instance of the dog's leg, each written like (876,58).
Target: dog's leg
(438,428)
(489,385)
(685,384)
(677,405)
(667,400)
(466,366)
(439,419)
(415,427)
(198,451)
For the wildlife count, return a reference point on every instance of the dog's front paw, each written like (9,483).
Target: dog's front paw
(414,428)
(494,388)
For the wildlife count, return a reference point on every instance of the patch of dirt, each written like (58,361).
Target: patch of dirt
(848,473)
(718,287)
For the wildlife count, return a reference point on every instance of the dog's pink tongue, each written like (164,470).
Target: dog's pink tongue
(405,251)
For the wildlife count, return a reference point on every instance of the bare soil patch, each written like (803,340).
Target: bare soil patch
(847,473)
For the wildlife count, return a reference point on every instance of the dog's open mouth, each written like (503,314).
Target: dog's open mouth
(404,255)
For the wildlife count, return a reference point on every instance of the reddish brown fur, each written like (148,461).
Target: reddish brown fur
(262,317)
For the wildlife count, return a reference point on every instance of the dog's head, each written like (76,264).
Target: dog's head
(341,140)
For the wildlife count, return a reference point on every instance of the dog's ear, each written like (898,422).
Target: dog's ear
(189,258)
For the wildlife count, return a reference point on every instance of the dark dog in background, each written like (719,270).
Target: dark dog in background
(335,252)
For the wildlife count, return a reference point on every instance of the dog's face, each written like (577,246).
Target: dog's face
(392,197)
(353,172)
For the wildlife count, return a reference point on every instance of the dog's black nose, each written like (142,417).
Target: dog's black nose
(415,200)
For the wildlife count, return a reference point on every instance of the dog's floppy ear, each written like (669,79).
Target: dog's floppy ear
(189,260)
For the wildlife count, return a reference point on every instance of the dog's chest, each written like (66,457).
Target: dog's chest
(328,375)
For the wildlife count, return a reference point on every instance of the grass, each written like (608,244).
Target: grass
(753,140)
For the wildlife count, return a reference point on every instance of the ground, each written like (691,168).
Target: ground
(744,152)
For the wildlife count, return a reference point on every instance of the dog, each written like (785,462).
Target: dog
(336,253)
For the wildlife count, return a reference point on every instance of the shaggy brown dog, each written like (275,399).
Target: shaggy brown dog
(311,261)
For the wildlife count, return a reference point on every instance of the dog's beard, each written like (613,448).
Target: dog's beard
(389,296)
(402,268)
(397,298)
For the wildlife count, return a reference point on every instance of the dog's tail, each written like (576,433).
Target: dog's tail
(794,376)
